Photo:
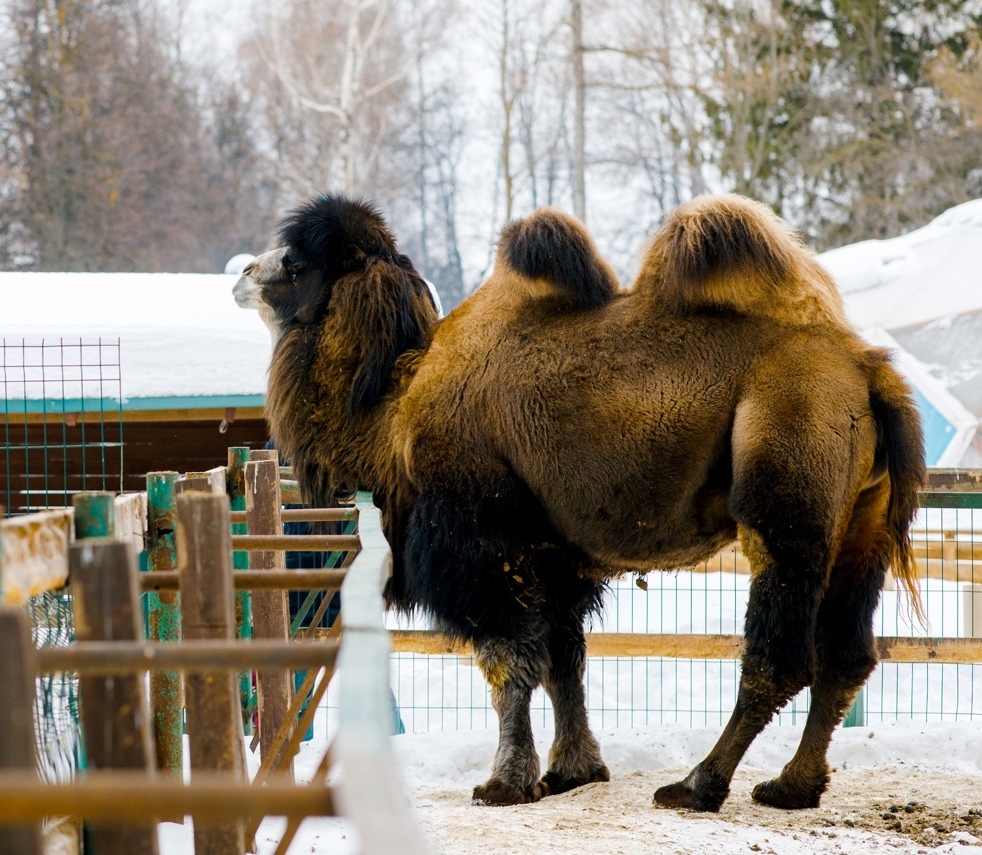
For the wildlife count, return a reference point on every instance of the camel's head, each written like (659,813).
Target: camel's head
(320,242)
(337,259)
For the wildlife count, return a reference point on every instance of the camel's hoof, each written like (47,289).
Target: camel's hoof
(500,793)
(556,783)
(777,793)
(682,797)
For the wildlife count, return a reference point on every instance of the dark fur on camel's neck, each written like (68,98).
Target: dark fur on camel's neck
(349,277)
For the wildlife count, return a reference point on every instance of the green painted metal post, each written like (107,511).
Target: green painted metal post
(95,514)
(237,459)
(164,623)
(856,717)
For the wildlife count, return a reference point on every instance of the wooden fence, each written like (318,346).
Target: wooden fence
(133,741)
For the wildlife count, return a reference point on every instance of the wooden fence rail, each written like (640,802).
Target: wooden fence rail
(121,805)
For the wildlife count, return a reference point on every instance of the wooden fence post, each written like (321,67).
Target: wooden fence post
(17,718)
(237,459)
(973,611)
(164,621)
(270,609)
(204,552)
(115,710)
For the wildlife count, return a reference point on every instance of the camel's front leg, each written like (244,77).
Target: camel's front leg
(512,674)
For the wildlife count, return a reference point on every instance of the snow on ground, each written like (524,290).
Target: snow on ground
(903,787)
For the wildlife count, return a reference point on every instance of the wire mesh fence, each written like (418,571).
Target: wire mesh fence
(62,421)
(62,433)
(440,692)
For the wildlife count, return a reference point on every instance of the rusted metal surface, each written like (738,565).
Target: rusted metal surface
(164,622)
(127,797)
(214,722)
(245,580)
(34,552)
(118,657)
(235,487)
(95,514)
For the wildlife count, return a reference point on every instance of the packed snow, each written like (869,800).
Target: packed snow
(905,787)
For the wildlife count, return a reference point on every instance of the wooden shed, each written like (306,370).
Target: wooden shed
(106,376)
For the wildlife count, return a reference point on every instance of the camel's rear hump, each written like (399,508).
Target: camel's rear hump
(731,253)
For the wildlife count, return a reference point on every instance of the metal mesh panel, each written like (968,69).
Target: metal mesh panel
(62,421)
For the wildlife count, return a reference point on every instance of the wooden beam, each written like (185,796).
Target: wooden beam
(121,657)
(115,710)
(692,646)
(214,723)
(296,542)
(255,580)
(17,721)
(130,798)
(270,610)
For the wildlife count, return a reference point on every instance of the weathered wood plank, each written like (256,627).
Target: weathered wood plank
(214,722)
(254,580)
(115,710)
(16,720)
(686,646)
(126,797)
(130,512)
(121,657)
(212,481)
(270,609)
(35,555)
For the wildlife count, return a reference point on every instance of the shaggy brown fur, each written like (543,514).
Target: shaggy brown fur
(552,433)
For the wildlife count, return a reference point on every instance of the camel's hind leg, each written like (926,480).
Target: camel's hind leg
(574,758)
(778,662)
(846,654)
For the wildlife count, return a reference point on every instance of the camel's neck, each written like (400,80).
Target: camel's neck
(310,382)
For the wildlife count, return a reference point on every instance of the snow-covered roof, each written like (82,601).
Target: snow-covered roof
(181,335)
(921,276)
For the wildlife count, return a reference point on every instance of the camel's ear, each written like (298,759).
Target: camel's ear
(396,319)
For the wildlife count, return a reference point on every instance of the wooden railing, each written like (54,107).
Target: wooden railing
(120,794)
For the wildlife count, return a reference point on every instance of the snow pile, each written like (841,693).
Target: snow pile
(923,275)
(180,334)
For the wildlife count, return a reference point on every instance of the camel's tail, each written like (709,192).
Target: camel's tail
(902,440)
(730,253)
(554,249)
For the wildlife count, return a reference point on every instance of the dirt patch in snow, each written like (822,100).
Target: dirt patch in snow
(896,809)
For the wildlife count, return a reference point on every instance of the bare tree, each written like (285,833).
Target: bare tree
(113,158)
(326,79)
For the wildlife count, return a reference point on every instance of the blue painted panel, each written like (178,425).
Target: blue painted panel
(88,405)
(938,431)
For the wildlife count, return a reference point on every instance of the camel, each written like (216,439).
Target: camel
(555,431)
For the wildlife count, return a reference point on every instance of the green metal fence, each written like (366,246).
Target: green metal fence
(439,692)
